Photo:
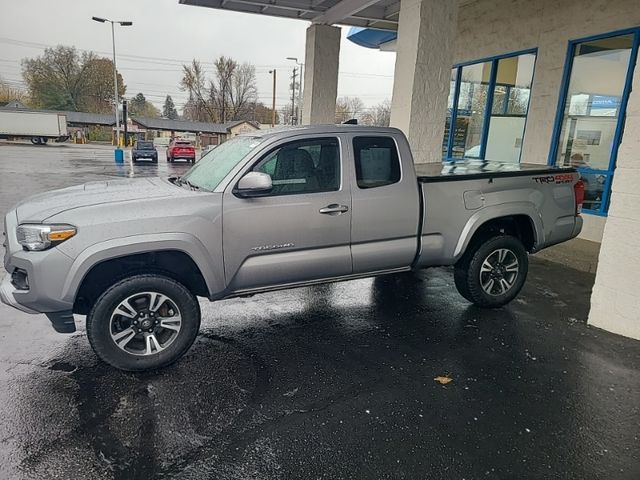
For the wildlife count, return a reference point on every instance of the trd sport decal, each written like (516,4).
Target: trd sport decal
(560,178)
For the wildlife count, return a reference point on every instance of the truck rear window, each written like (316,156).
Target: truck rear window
(377,161)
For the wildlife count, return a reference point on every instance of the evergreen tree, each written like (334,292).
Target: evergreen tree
(169,110)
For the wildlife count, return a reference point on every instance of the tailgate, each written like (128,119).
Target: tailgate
(184,150)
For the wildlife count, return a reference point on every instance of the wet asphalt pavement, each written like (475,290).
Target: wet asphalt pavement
(334,381)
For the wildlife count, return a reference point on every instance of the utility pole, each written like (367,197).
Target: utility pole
(273,103)
(116,102)
(301,65)
(293,97)
(224,100)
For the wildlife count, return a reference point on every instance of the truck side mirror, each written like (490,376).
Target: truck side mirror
(254,183)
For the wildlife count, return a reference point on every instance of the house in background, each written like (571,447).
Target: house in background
(202,133)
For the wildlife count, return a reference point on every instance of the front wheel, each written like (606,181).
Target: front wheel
(143,322)
(492,273)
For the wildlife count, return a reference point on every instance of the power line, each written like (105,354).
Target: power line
(170,62)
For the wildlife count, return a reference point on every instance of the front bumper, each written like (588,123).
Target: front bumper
(62,322)
(7,295)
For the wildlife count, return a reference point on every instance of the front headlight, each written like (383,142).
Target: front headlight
(40,237)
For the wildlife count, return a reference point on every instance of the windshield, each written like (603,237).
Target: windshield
(215,165)
(145,146)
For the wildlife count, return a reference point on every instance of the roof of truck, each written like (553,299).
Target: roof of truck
(288,130)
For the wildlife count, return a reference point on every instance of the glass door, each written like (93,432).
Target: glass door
(596,87)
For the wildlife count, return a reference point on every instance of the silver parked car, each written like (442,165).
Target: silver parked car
(267,211)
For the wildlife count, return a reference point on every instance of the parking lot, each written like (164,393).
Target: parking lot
(334,381)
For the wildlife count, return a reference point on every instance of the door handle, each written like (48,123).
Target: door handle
(334,209)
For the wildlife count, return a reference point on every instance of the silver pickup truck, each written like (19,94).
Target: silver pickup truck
(272,210)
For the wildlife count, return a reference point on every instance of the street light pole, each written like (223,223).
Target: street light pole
(273,105)
(115,71)
(301,65)
(115,86)
(293,99)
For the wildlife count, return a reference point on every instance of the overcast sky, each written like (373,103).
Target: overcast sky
(165,34)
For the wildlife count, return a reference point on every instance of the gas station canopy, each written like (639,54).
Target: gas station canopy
(378,14)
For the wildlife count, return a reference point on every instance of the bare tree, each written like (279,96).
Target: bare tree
(378,115)
(198,107)
(348,108)
(230,95)
(8,92)
(243,92)
(285,114)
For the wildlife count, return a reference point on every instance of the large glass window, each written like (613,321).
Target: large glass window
(488,105)
(472,105)
(590,120)
(447,126)
(509,110)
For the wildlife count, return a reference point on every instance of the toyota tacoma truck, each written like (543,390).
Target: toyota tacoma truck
(273,210)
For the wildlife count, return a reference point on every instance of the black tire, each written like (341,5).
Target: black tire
(501,284)
(43,140)
(100,323)
(35,140)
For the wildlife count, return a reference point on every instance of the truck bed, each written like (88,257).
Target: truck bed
(472,169)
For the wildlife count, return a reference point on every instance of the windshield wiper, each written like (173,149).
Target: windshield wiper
(179,181)
(189,184)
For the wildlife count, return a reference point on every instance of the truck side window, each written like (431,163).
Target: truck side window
(377,161)
(303,166)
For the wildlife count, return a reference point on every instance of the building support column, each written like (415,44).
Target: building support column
(321,74)
(426,34)
(615,303)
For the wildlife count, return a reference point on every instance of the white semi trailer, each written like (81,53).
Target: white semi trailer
(39,127)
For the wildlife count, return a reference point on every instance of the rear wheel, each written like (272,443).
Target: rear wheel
(143,322)
(492,272)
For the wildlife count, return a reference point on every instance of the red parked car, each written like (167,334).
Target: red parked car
(181,149)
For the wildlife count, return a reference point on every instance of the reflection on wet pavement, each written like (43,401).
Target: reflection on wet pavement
(334,381)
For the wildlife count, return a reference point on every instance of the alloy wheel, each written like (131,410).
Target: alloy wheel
(499,272)
(145,323)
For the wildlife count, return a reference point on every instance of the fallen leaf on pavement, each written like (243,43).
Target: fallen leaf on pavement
(443,380)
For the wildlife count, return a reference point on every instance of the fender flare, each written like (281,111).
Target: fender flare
(492,213)
(122,247)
